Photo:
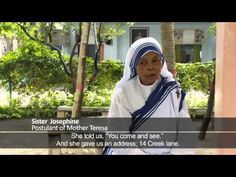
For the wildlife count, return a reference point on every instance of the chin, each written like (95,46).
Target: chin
(150,82)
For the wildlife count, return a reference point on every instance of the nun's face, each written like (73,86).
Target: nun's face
(149,68)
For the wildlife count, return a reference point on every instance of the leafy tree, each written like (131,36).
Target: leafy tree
(32,68)
(38,64)
(104,32)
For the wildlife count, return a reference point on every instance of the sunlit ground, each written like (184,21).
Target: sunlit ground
(45,151)
(5,97)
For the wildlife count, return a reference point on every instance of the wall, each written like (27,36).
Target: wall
(110,51)
(121,47)
(225,87)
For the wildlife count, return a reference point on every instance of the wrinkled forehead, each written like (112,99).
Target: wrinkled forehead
(143,49)
(150,53)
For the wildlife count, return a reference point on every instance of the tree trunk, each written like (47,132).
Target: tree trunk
(76,111)
(209,114)
(168,44)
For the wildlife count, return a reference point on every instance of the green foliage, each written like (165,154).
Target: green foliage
(99,98)
(45,105)
(212,29)
(196,99)
(110,72)
(35,67)
(14,110)
(42,105)
(190,76)
(32,68)
(110,30)
(196,76)
(8,29)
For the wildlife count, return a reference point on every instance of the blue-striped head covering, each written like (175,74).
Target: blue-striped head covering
(140,52)
(136,51)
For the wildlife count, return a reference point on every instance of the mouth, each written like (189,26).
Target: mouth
(151,75)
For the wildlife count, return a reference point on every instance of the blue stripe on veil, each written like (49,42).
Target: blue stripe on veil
(155,99)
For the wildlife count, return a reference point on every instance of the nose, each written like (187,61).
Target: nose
(149,66)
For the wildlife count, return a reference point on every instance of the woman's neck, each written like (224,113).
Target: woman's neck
(147,85)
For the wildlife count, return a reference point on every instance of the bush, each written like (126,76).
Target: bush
(99,93)
(196,76)
(32,68)
(14,110)
(44,105)
(196,99)
(97,98)
(110,72)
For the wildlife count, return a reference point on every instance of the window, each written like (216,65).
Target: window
(188,53)
(91,52)
(137,33)
(189,36)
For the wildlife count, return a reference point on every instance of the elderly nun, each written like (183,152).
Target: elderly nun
(147,90)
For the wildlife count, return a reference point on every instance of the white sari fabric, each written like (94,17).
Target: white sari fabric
(137,102)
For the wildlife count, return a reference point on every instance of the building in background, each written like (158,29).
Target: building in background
(8,44)
(193,41)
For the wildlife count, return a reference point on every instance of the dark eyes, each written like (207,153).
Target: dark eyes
(142,62)
(155,60)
